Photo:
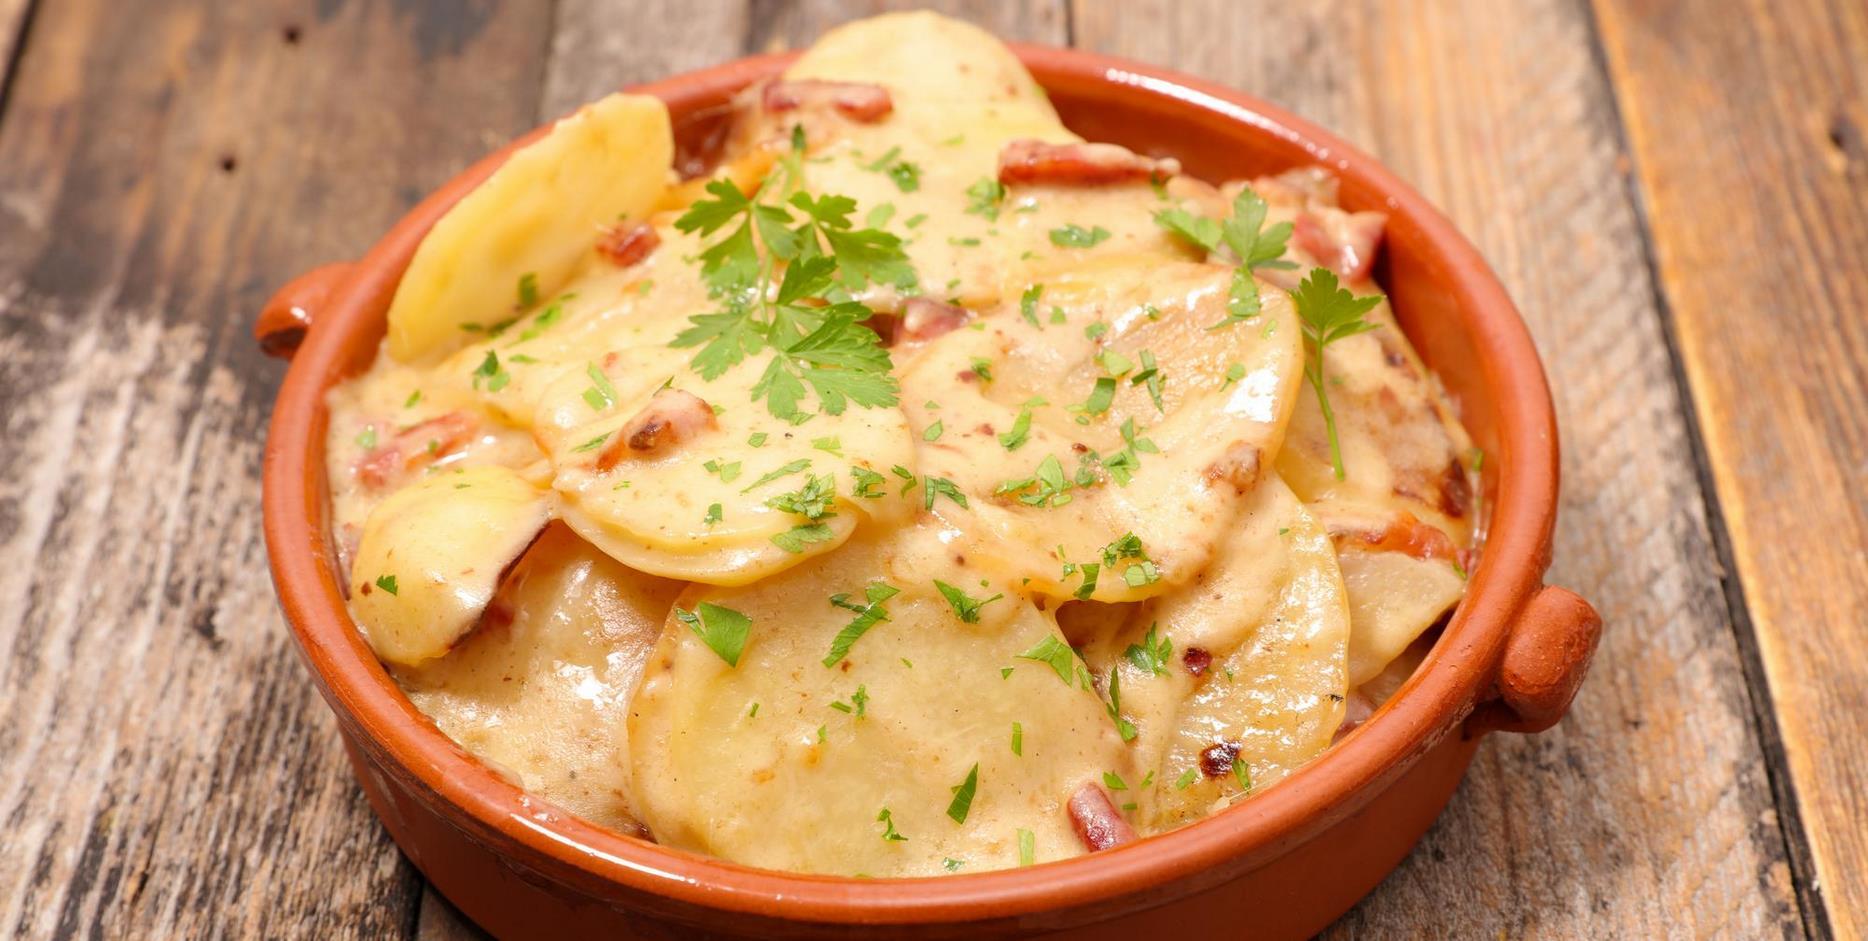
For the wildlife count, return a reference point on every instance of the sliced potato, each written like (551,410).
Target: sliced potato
(1211,436)
(1251,663)
(541,692)
(946,78)
(754,764)
(538,215)
(1393,597)
(652,509)
(432,554)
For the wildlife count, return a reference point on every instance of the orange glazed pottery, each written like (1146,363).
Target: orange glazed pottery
(1281,865)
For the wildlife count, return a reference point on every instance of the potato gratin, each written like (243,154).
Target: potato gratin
(922,489)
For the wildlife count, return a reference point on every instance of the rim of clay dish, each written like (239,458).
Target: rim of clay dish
(1458,672)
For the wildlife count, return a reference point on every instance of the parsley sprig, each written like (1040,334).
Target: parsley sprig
(1244,232)
(1329,313)
(783,274)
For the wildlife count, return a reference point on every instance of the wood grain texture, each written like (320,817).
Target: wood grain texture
(1748,137)
(1647,812)
(166,769)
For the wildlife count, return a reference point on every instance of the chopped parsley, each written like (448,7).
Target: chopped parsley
(1114,782)
(791,468)
(1076,236)
(1329,313)
(932,487)
(963,795)
(1020,433)
(965,607)
(888,827)
(593,443)
(859,701)
(868,483)
(728,472)
(1186,778)
(867,616)
(829,445)
(386,583)
(933,432)
(757,439)
(491,373)
(366,439)
(1124,727)
(528,289)
(1153,654)
(722,629)
(713,514)
(601,394)
(1028,304)
(1056,654)
(1243,772)
(1150,376)
(1018,740)
(984,197)
(1048,487)
(414,398)
(1234,373)
(907,176)
(1027,847)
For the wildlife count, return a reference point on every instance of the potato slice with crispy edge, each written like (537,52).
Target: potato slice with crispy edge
(432,554)
(787,763)
(539,215)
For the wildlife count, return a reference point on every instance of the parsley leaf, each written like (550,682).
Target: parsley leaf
(386,583)
(794,540)
(1329,313)
(1254,247)
(965,607)
(1073,235)
(1053,652)
(722,629)
(1153,654)
(888,828)
(984,197)
(963,795)
(932,487)
(867,616)
(1124,727)
(1020,433)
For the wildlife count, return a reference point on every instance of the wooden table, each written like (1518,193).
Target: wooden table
(1674,192)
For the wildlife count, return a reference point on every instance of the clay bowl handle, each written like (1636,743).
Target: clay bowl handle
(282,323)
(1545,659)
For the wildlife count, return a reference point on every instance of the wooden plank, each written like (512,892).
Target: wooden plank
(166,769)
(14,15)
(1748,135)
(1647,813)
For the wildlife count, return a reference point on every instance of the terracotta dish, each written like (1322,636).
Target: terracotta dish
(1283,864)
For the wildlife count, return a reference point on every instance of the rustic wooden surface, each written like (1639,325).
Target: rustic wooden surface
(1672,191)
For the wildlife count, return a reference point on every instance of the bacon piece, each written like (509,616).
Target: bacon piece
(1196,659)
(416,447)
(671,417)
(858,101)
(1095,818)
(624,244)
(1031,161)
(1216,759)
(1405,533)
(924,319)
(1344,242)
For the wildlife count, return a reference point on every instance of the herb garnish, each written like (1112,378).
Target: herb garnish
(722,629)
(963,795)
(1073,235)
(888,827)
(985,195)
(1153,654)
(1329,313)
(1054,653)
(815,333)
(1252,245)
(867,615)
(386,583)
(965,607)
